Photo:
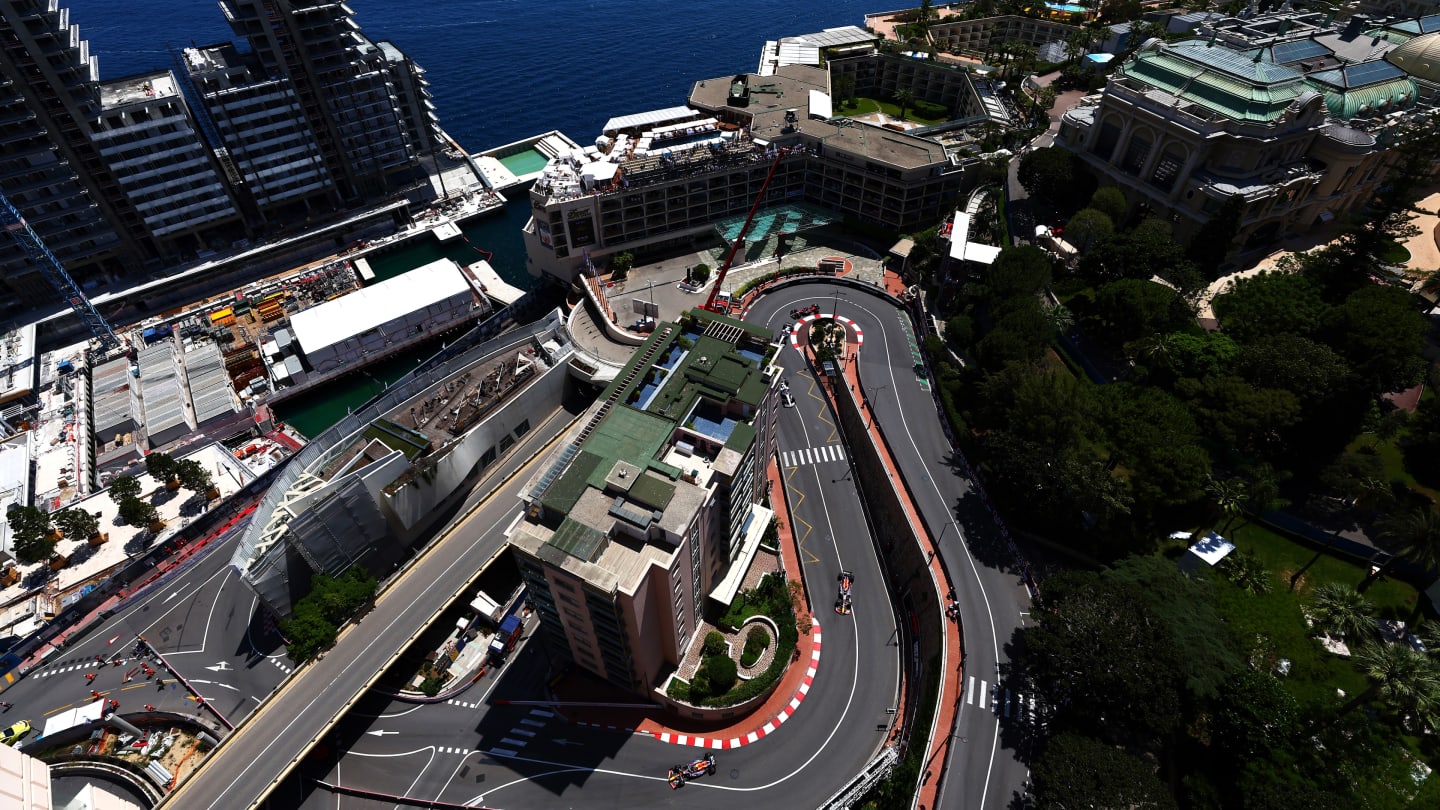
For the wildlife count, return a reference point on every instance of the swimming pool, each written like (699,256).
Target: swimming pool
(1067,8)
(526,162)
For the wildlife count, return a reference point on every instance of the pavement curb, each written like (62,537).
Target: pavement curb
(721,744)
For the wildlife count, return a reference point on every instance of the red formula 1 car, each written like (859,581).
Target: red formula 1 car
(797,314)
(694,769)
(842,599)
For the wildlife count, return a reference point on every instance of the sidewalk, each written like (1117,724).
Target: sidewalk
(668,728)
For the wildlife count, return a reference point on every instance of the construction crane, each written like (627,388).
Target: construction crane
(740,237)
(54,272)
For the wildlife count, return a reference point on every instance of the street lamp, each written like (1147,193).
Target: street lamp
(870,403)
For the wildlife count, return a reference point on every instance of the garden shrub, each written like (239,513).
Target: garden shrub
(755,643)
(714,644)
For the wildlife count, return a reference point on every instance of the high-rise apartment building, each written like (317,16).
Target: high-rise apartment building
(653,509)
(49,167)
(343,82)
(152,146)
(265,136)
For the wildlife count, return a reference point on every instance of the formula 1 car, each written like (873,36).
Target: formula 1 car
(693,770)
(797,314)
(842,599)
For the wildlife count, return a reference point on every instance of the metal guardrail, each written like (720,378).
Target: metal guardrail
(865,781)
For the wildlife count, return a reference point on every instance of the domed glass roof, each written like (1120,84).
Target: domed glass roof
(1420,57)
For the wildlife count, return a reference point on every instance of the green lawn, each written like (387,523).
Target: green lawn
(1389,452)
(1393,253)
(864,105)
(1272,626)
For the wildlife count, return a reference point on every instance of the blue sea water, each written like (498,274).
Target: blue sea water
(502,70)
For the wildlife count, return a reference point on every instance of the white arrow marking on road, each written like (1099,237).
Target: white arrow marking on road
(219,667)
(381,733)
(171,596)
(563,741)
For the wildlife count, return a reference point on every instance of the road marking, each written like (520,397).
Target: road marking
(513,741)
(970,692)
(812,455)
(522,732)
(381,733)
(984,693)
(502,752)
(542,713)
(528,722)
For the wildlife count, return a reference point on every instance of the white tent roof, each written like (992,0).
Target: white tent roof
(1212,548)
(643,119)
(333,321)
(74,717)
(962,249)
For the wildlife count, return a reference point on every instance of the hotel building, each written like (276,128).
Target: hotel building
(652,507)
(668,179)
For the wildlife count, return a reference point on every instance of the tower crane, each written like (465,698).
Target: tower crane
(740,237)
(54,272)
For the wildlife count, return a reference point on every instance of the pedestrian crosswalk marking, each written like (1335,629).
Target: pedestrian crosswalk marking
(1002,702)
(812,455)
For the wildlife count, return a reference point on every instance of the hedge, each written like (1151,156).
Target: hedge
(929,109)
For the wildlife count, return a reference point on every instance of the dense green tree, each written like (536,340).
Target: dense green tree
(1077,771)
(1246,572)
(30,533)
(123,487)
(1235,414)
(1103,660)
(1255,717)
(1156,439)
(1023,332)
(160,466)
(960,331)
(1306,368)
(1270,303)
(1186,608)
(1050,173)
(1087,228)
(1421,443)
(307,633)
(76,522)
(1380,331)
(1018,271)
(1228,496)
(1149,249)
(1110,201)
(1360,477)
(138,513)
(1131,309)
(1047,490)
(1051,408)
(1215,239)
(193,476)
(1168,357)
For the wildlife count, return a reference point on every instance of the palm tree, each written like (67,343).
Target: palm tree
(904,97)
(1229,498)
(1415,534)
(1061,318)
(1247,572)
(1342,611)
(1407,680)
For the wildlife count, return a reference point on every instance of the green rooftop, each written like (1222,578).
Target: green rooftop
(1218,79)
(652,492)
(577,540)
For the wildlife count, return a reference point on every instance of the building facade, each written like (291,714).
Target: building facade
(650,513)
(344,85)
(983,36)
(655,185)
(1183,128)
(150,142)
(262,134)
(49,168)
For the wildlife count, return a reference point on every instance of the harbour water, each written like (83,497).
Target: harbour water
(500,71)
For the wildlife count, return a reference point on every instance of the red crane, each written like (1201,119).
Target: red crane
(740,237)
